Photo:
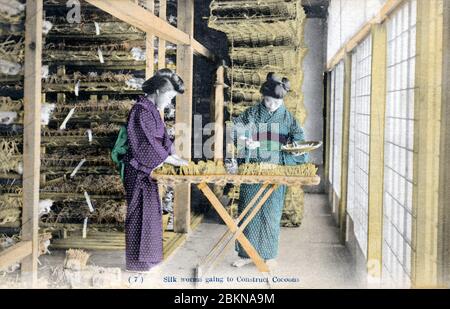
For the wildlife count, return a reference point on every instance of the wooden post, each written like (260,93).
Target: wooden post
(376,156)
(444,179)
(342,212)
(328,132)
(183,127)
(218,110)
(32,134)
(149,46)
(162,42)
(428,103)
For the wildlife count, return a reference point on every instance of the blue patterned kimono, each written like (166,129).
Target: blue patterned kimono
(272,130)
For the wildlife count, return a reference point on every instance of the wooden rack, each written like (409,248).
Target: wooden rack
(130,12)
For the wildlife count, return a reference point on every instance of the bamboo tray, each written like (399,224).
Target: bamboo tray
(237,179)
(303,147)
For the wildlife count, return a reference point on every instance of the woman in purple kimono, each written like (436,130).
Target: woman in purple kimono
(149,146)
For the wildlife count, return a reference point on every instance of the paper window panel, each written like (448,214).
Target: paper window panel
(338,108)
(399,144)
(359,141)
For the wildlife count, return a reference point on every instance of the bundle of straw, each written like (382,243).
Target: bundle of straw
(253,169)
(200,168)
(7,201)
(10,156)
(9,105)
(76,259)
(9,215)
(266,169)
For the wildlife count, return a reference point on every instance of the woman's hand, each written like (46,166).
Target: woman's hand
(299,153)
(176,161)
(250,143)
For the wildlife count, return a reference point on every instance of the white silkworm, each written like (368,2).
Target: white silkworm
(45,206)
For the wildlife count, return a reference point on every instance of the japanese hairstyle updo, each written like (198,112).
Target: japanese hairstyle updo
(164,80)
(275,87)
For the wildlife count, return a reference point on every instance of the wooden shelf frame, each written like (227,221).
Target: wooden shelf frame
(130,12)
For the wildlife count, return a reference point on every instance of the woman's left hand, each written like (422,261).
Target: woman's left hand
(299,153)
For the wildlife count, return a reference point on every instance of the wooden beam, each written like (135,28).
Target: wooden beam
(199,49)
(183,112)
(345,147)
(15,253)
(161,41)
(364,31)
(32,133)
(149,46)
(218,111)
(376,156)
(428,103)
(444,180)
(139,17)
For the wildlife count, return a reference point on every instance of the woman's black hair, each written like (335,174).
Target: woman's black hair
(275,87)
(164,80)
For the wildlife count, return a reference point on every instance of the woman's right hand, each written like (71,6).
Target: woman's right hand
(176,161)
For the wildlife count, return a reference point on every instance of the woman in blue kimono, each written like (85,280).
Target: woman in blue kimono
(259,133)
(149,146)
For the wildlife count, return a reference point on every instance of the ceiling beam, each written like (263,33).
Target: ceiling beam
(146,21)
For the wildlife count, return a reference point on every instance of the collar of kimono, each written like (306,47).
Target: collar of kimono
(146,103)
(263,107)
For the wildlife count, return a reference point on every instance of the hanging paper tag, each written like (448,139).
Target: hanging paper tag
(88,201)
(75,171)
(69,115)
(89,133)
(97,28)
(77,88)
(100,55)
(85,227)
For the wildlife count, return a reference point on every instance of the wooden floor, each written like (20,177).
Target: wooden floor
(96,240)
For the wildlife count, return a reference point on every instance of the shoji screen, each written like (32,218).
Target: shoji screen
(337,101)
(399,138)
(359,141)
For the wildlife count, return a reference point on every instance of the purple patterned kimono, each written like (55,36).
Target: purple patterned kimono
(148,146)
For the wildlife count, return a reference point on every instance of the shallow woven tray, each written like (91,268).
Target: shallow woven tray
(302,147)
(237,179)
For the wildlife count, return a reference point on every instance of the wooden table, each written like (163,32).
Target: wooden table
(236,227)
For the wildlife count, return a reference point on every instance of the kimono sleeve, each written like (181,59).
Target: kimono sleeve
(296,134)
(147,148)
